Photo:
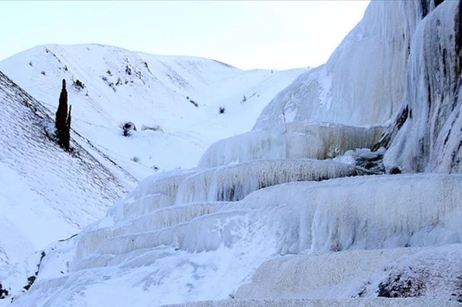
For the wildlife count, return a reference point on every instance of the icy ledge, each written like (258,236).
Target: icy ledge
(295,141)
(234,182)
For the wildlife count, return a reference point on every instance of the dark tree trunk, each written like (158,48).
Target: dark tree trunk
(63,120)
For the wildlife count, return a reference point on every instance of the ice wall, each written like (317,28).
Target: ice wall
(234,182)
(291,141)
(429,140)
(370,212)
(149,218)
(363,81)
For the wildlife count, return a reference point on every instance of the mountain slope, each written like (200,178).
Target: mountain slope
(42,184)
(179,95)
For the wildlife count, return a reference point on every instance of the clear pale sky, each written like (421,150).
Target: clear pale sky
(245,34)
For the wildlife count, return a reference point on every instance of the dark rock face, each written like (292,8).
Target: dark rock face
(399,286)
(391,132)
(419,281)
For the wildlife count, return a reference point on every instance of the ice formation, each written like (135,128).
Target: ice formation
(363,81)
(430,138)
(292,141)
(234,182)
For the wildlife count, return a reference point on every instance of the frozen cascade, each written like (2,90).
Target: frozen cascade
(363,81)
(234,182)
(152,193)
(152,220)
(155,221)
(295,141)
(315,216)
(430,138)
(297,217)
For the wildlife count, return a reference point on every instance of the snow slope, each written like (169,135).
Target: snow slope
(41,184)
(151,91)
(266,226)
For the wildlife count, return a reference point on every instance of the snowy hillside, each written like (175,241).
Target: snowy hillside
(295,212)
(179,96)
(43,185)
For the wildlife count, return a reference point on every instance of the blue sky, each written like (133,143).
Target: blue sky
(246,34)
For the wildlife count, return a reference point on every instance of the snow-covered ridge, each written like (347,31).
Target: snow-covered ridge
(179,97)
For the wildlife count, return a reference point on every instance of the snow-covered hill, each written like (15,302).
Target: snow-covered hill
(41,184)
(173,101)
(273,217)
(180,96)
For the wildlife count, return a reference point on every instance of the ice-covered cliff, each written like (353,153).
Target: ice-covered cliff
(430,138)
(268,218)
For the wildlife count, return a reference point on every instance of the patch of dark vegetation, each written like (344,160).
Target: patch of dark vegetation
(135,159)
(31,280)
(127,128)
(3,292)
(79,85)
(128,70)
